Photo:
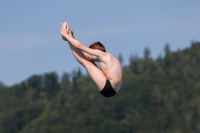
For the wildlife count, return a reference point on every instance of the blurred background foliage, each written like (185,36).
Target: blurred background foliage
(158,96)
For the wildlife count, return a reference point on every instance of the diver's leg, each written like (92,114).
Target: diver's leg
(96,74)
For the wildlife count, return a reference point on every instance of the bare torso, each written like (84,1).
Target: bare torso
(112,69)
(109,65)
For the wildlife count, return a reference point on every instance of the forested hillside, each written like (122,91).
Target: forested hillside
(158,96)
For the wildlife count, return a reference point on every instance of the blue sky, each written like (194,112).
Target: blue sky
(30,42)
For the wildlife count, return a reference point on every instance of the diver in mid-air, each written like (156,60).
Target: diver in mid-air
(109,76)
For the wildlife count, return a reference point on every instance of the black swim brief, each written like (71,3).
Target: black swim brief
(108,90)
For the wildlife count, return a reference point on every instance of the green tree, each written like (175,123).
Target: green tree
(167,49)
(1,84)
(120,58)
(65,81)
(147,53)
(134,64)
(35,82)
(51,85)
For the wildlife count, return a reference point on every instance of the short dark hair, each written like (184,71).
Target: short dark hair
(97,45)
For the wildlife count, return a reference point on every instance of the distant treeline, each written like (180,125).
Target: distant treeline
(157,96)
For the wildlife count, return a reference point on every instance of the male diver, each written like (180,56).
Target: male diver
(108,77)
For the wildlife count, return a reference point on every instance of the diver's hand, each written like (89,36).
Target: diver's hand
(65,30)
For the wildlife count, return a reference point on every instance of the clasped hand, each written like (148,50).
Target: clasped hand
(65,30)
